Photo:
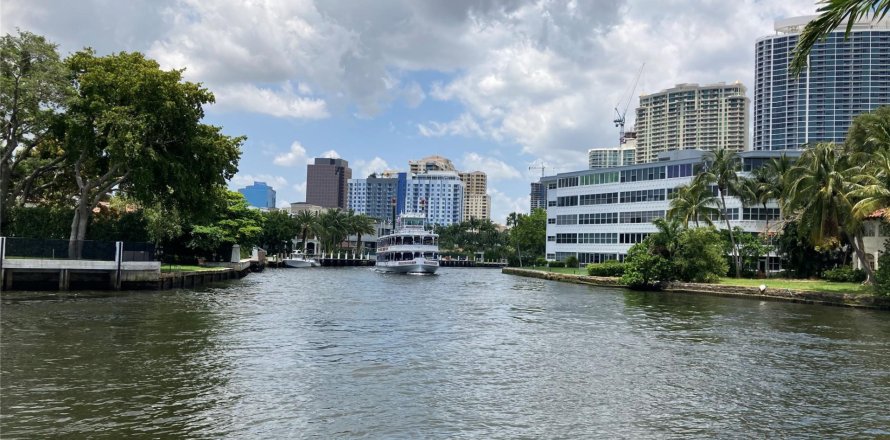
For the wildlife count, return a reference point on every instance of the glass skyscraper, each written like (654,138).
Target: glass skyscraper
(259,195)
(843,79)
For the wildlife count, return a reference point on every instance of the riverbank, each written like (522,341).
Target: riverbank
(771,293)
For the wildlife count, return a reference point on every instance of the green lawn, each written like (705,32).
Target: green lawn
(187,268)
(776,283)
(811,285)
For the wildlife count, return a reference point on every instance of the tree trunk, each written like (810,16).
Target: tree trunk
(859,249)
(78,229)
(5,199)
(358,243)
(735,249)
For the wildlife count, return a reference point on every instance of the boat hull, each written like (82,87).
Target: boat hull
(417,266)
(299,263)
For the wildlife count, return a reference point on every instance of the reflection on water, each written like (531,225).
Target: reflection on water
(348,352)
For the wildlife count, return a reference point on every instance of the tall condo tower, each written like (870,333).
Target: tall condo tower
(477,202)
(690,116)
(326,182)
(843,79)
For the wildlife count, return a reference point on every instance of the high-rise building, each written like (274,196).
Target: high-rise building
(477,202)
(690,116)
(259,195)
(843,78)
(440,194)
(430,163)
(537,196)
(605,157)
(373,196)
(327,182)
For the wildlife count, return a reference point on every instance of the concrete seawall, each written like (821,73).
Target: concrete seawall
(800,296)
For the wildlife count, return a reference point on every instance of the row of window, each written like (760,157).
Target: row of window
(760,214)
(640,216)
(601,218)
(645,195)
(598,199)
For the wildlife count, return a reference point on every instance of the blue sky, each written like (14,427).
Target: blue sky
(494,85)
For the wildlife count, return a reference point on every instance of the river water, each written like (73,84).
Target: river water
(469,353)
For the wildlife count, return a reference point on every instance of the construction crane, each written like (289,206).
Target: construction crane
(542,167)
(620,114)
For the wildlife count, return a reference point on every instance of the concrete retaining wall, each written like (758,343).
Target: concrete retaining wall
(827,298)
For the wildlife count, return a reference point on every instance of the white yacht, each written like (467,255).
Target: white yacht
(297,260)
(410,249)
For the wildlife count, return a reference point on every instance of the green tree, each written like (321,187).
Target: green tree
(721,169)
(361,224)
(233,223)
(700,256)
(693,201)
(33,88)
(820,191)
(529,235)
(644,269)
(306,221)
(869,132)
(331,228)
(279,229)
(832,14)
(135,127)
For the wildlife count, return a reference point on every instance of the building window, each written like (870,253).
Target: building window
(646,195)
(596,257)
(566,238)
(599,218)
(641,216)
(567,201)
(598,237)
(598,199)
(567,219)
(565,182)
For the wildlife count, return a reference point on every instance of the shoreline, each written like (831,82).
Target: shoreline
(771,294)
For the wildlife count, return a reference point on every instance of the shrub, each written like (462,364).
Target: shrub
(882,275)
(645,270)
(557,264)
(700,257)
(571,261)
(609,268)
(844,274)
(541,262)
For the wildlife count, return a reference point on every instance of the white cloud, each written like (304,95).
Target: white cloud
(330,154)
(413,95)
(282,204)
(495,169)
(282,103)
(465,125)
(300,188)
(502,205)
(292,157)
(366,168)
(242,180)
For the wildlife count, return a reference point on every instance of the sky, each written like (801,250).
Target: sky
(500,86)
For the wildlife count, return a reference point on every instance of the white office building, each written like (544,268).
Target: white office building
(597,215)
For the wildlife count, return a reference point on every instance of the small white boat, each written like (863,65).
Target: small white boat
(411,249)
(298,260)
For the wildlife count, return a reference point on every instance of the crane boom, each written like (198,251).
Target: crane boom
(620,114)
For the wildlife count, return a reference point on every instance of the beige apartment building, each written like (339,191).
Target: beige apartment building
(690,116)
(477,202)
(430,163)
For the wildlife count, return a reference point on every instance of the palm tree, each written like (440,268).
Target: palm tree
(760,188)
(693,201)
(666,241)
(305,223)
(832,14)
(361,224)
(869,132)
(721,169)
(331,228)
(872,186)
(776,169)
(821,188)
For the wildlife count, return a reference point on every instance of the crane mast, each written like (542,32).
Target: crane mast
(620,114)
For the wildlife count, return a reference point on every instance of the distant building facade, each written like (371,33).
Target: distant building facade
(440,194)
(430,163)
(605,157)
(537,196)
(327,182)
(259,195)
(477,202)
(843,78)
(373,196)
(692,116)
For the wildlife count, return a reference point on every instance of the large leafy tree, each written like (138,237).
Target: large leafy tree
(134,127)
(233,222)
(820,196)
(279,229)
(721,169)
(832,14)
(529,233)
(33,88)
